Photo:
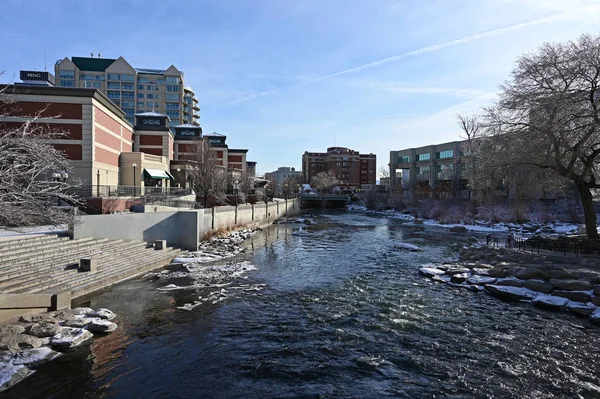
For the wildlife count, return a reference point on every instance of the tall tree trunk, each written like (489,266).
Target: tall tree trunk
(588,209)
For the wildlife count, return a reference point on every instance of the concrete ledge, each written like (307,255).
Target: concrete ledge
(60,300)
(7,314)
(24,301)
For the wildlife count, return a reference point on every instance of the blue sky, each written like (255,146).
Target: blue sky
(281,77)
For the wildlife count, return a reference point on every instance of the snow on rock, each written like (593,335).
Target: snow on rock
(11,374)
(77,321)
(481,280)
(430,271)
(101,325)
(407,247)
(44,329)
(31,357)
(595,316)
(550,301)
(581,308)
(512,293)
(103,313)
(69,337)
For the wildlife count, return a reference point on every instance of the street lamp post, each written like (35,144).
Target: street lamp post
(134,190)
(235,191)
(286,191)
(98,183)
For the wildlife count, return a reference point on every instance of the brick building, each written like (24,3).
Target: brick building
(353,169)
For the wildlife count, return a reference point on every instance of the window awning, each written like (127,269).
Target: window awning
(157,174)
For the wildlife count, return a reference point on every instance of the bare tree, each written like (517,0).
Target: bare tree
(548,116)
(29,195)
(324,181)
(207,176)
(291,185)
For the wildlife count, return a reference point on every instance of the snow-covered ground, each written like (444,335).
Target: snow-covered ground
(34,230)
(483,226)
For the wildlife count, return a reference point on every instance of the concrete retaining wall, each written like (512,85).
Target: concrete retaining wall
(181,228)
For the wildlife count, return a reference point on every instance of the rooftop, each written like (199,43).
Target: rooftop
(150,71)
(92,64)
(151,113)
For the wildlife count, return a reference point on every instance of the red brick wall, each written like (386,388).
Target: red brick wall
(107,121)
(152,151)
(106,157)
(234,158)
(30,108)
(73,132)
(107,139)
(151,140)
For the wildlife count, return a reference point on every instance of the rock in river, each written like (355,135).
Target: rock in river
(69,337)
(550,302)
(581,308)
(44,329)
(481,280)
(101,325)
(572,285)
(12,374)
(430,271)
(512,293)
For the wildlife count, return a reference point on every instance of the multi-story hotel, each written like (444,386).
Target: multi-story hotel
(351,168)
(135,90)
(429,168)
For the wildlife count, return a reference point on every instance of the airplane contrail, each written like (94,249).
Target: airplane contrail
(423,50)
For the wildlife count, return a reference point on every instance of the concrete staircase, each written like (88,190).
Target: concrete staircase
(40,266)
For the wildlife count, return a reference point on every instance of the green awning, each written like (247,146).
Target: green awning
(157,174)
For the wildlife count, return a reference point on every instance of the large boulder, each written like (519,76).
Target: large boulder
(458,229)
(577,296)
(430,271)
(11,329)
(481,280)
(103,313)
(459,278)
(595,316)
(19,341)
(69,337)
(510,281)
(32,357)
(457,270)
(44,329)
(76,321)
(539,286)
(558,274)
(499,272)
(527,273)
(38,318)
(11,375)
(550,302)
(571,285)
(511,293)
(101,325)
(581,308)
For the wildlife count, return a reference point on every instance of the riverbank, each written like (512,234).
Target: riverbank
(545,280)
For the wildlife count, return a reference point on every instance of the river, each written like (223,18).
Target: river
(330,310)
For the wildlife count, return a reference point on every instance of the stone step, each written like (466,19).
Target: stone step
(62,258)
(30,242)
(108,275)
(39,252)
(21,279)
(25,282)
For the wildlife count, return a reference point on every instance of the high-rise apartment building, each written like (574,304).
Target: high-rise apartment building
(350,167)
(135,90)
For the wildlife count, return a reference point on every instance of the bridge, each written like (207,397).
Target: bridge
(323,200)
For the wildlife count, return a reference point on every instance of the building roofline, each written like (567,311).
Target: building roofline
(238,150)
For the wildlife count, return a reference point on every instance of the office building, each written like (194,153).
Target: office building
(282,174)
(135,90)
(427,170)
(352,169)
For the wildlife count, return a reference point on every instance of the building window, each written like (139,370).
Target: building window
(128,111)
(66,74)
(140,104)
(142,80)
(127,78)
(130,119)
(113,76)
(126,86)
(444,154)
(173,106)
(423,170)
(87,84)
(404,159)
(424,156)
(113,94)
(140,87)
(114,85)
(86,77)
(100,77)
(173,88)
(128,104)
(150,96)
(172,97)
(445,168)
(172,79)
(127,94)
(149,104)
(173,114)
(97,85)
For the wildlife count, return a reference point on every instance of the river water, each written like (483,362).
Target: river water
(330,310)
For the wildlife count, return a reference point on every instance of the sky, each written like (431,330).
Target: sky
(280,77)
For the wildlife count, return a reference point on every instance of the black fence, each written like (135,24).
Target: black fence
(90,191)
(564,245)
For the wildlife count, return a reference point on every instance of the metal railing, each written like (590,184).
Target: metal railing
(90,191)
(562,245)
